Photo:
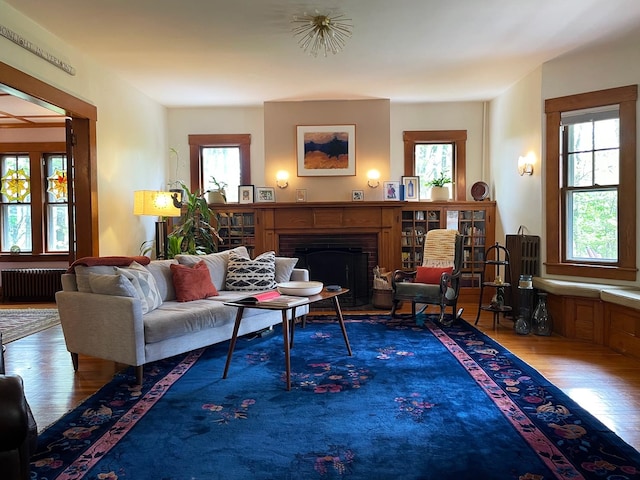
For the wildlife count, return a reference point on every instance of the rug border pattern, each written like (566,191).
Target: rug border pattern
(512,412)
(90,457)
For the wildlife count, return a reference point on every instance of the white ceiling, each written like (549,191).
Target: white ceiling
(242,52)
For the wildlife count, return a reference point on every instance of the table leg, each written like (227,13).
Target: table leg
(232,342)
(293,326)
(287,353)
(336,305)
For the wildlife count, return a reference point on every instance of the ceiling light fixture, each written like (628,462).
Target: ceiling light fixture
(321,33)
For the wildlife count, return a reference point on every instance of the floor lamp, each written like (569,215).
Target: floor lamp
(157,204)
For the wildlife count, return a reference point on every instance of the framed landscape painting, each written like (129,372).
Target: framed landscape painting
(326,150)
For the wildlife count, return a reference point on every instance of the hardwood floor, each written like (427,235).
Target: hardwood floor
(604,382)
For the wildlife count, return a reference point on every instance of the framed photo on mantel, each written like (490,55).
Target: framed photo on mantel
(245,194)
(265,194)
(391,191)
(411,188)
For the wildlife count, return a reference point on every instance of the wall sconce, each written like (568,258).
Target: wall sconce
(282,179)
(525,164)
(373,178)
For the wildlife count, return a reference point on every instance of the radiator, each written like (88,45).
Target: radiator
(31,283)
(524,252)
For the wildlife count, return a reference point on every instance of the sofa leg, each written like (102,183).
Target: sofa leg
(139,375)
(74,360)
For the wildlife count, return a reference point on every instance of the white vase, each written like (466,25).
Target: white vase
(215,196)
(439,193)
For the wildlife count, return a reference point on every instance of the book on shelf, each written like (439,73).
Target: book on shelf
(273,298)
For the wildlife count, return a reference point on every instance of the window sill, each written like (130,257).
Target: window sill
(592,271)
(28,257)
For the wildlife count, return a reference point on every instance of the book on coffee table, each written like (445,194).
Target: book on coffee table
(273,298)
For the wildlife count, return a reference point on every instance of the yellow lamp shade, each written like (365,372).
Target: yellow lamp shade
(155,203)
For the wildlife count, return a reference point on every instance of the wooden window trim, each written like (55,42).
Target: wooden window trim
(556,264)
(457,137)
(36,151)
(84,182)
(196,142)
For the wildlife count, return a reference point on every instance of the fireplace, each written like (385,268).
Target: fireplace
(345,260)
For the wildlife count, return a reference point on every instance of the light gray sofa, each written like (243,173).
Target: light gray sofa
(113,327)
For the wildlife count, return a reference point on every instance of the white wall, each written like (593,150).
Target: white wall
(515,130)
(183,122)
(438,116)
(614,64)
(517,123)
(441,116)
(131,130)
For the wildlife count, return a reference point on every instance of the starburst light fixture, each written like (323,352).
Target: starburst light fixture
(322,33)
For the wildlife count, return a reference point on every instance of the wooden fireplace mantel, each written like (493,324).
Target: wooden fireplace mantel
(380,218)
(384,219)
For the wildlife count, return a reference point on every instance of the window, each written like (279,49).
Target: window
(34,212)
(432,160)
(225,157)
(428,154)
(56,207)
(591,172)
(223,164)
(16,203)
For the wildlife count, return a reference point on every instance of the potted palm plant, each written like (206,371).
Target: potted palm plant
(194,233)
(439,187)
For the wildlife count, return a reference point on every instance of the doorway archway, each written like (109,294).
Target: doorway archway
(81,145)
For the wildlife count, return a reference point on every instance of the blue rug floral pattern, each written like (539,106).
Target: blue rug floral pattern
(415,401)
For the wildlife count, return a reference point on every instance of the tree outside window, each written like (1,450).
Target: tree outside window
(433,161)
(591,159)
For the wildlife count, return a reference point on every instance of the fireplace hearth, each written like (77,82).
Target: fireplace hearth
(346,260)
(347,267)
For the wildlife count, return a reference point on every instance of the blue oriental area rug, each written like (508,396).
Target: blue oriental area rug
(415,401)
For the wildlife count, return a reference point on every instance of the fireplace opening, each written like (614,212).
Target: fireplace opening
(347,267)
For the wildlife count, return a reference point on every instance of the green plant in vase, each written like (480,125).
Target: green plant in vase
(194,233)
(217,194)
(439,188)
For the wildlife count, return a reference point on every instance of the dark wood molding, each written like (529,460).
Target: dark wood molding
(556,263)
(457,137)
(85,178)
(196,142)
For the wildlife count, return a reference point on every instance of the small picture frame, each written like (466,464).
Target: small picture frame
(391,191)
(411,188)
(265,194)
(301,195)
(245,194)
(357,195)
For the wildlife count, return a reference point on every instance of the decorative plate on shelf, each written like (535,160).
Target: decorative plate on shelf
(479,191)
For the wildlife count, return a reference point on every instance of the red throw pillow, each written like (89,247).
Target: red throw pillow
(192,283)
(431,275)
